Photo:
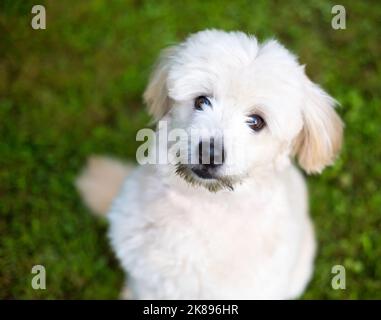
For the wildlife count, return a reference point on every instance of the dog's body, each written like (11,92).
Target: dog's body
(180,242)
(240,229)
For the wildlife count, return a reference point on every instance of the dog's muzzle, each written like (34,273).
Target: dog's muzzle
(210,157)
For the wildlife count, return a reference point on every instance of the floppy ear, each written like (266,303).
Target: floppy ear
(319,142)
(156,93)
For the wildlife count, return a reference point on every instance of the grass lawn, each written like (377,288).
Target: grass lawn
(75,89)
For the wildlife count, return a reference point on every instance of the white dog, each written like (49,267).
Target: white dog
(234,229)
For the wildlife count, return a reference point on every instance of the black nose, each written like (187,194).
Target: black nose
(210,155)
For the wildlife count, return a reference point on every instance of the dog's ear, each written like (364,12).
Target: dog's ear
(319,141)
(156,93)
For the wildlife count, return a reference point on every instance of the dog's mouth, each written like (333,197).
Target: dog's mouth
(202,173)
(206,177)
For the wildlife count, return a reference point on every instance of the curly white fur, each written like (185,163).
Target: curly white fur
(180,241)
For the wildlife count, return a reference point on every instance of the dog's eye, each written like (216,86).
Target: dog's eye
(256,122)
(201,101)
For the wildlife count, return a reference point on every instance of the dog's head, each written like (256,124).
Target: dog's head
(251,106)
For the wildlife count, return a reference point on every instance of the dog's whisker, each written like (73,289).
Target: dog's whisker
(215,185)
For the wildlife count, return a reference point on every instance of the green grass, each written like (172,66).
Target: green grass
(75,89)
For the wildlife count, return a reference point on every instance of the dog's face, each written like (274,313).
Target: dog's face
(250,107)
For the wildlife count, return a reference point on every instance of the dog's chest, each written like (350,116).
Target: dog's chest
(225,243)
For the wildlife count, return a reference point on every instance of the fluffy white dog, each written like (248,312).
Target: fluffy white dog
(237,228)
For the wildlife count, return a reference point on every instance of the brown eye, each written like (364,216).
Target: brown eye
(256,122)
(200,102)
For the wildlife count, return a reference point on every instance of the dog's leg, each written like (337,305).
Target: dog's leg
(304,267)
(100,181)
(126,293)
